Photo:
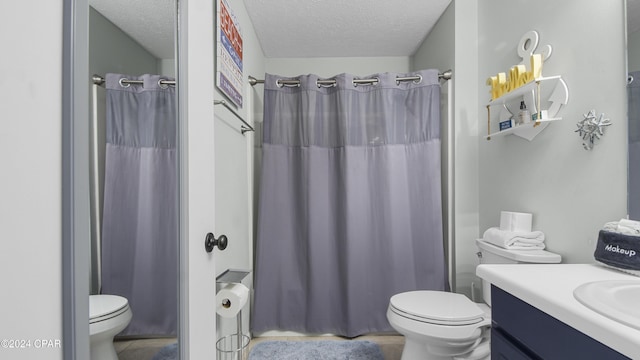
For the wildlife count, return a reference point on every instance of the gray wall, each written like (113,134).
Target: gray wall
(330,66)
(552,176)
(31,157)
(571,192)
(633,51)
(437,52)
(452,44)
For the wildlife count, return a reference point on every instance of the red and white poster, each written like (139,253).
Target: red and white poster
(229,54)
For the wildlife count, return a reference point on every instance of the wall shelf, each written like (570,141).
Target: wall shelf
(525,131)
(554,93)
(522,90)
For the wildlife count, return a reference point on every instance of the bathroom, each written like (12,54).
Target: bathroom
(571,192)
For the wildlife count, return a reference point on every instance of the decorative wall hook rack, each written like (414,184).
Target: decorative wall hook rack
(591,128)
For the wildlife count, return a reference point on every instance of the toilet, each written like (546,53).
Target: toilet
(440,325)
(108,315)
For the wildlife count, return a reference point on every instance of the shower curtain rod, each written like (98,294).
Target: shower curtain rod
(253,81)
(99,80)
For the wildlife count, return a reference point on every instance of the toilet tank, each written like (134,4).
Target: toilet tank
(491,254)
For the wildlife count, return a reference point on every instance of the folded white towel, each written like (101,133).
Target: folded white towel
(624,226)
(533,240)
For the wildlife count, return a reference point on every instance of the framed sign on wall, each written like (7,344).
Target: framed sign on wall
(229,54)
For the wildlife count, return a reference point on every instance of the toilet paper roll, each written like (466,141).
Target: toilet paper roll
(515,221)
(231,299)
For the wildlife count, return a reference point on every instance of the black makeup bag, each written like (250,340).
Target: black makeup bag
(618,250)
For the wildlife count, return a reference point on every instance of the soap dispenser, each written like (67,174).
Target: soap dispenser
(525,116)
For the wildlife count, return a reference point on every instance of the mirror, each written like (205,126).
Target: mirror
(134,191)
(633,97)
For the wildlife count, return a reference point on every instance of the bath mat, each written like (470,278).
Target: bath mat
(169,352)
(316,350)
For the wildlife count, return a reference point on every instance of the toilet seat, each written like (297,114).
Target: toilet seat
(437,307)
(105,307)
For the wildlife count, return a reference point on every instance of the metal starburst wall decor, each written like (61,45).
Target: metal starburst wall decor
(591,128)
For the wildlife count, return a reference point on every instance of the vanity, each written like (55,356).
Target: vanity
(536,316)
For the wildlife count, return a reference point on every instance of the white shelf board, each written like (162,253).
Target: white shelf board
(523,129)
(522,90)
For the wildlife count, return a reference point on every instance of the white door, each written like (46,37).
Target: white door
(197,195)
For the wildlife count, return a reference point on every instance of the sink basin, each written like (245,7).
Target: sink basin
(616,299)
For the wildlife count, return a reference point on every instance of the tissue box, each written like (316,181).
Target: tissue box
(515,221)
(618,250)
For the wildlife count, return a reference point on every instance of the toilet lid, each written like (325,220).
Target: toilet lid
(105,305)
(438,306)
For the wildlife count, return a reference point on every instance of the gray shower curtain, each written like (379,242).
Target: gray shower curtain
(140,215)
(350,202)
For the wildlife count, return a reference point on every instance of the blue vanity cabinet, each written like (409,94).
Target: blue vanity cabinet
(520,331)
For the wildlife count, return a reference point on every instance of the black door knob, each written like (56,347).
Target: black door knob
(210,242)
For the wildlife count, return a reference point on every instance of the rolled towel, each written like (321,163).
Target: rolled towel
(611,226)
(629,227)
(533,240)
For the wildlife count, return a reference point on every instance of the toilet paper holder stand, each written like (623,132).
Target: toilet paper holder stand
(235,276)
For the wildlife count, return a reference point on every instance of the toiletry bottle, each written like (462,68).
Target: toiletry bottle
(525,115)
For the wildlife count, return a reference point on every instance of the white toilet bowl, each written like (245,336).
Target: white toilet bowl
(438,325)
(108,315)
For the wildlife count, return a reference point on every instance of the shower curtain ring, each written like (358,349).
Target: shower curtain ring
(123,82)
(161,85)
(287,83)
(372,81)
(329,85)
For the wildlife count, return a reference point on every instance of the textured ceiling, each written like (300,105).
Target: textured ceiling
(149,22)
(295,28)
(305,28)
(335,28)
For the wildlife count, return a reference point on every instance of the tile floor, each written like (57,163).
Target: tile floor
(140,349)
(144,349)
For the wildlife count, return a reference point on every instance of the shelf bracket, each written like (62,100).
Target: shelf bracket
(488,122)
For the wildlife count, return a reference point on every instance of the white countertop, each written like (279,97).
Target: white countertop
(549,288)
